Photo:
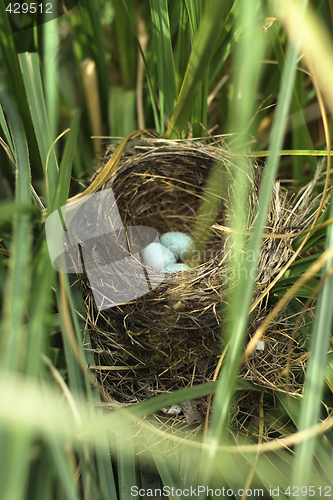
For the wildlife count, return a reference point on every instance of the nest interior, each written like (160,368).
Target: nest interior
(172,337)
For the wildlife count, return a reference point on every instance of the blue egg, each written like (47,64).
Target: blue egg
(178,243)
(158,256)
(176,268)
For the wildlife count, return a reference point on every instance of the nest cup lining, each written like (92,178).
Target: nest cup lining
(164,193)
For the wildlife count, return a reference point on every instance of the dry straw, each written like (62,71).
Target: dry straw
(172,337)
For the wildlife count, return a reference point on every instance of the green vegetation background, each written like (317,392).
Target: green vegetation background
(184,69)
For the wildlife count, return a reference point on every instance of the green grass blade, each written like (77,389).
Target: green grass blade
(8,208)
(14,81)
(194,11)
(244,290)
(149,80)
(4,126)
(182,48)
(50,73)
(122,111)
(13,328)
(291,152)
(40,308)
(149,480)
(105,471)
(301,136)
(211,22)
(93,32)
(18,283)
(103,468)
(315,375)
(63,468)
(167,468)
(224,43)
(152,405)
(126,43)
(13,486)
(126,467)
(169,473)
(80,383)
(34,90)
(164,58)
(74,372)
(199,112)
(42,483)
(67,161)
(188,468)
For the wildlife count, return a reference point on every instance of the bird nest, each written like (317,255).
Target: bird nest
(172,336)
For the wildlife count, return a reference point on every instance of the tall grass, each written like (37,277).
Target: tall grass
(206,65)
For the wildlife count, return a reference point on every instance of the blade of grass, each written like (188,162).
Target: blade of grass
(105,471)
(215,191)
(315,375)
(42,479)
(8,208)
(81,382)
(199,112)
(15,304)
(40,307)
(297,110)
(316,41)
(73,349)
(63,467)
(168,469)
(4,126)
(50,73)
(274,470)
(301,136)
(211,21)
(155,404)
(126,466)
(126,43)
(149,480)
(243,294)
(182,49)
(34,90)
(89,76)
(164,59)
(67,162)
(76,382)
(225,42)
(149,82)
(13,487)
(3,262)
(93,31)
(188,467)
(15,82)
(18,282)
(122,111)
(194,11)
(291,152)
